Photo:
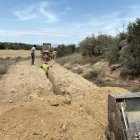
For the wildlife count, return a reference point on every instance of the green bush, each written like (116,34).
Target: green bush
(122,36)
(132,60)
(63,50)
(134,32)
(113,55)
(92,46)
(7,58)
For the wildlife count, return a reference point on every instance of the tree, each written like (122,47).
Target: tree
(27,47)
(133,59)
(2,47)
(14,47)
(61,50)
(65,50)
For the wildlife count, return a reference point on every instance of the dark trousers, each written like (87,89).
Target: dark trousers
(33,58)
(47,74)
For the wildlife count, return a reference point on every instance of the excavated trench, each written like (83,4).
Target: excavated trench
(68,84)
(92,99)
(85,117)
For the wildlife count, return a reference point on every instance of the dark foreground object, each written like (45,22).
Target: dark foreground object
(123,117)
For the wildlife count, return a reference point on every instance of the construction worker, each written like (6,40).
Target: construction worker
(33,54)
(45,68)
(101,52)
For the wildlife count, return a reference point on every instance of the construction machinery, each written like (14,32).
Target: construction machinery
(123,117)
(47,52)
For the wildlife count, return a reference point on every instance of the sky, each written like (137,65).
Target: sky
(63,21)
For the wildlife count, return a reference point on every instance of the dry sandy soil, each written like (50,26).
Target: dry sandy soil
(29,109)
(16,53)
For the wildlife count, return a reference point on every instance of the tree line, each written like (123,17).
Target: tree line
(63,50)
(17,46)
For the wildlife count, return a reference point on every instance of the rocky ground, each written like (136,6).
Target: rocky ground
(63,107)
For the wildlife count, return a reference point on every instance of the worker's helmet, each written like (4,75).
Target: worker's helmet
(46,63)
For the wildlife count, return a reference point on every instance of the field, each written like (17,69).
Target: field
(16,53)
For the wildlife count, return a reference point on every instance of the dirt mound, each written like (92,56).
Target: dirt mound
(53,119)
(23,82)
(76,115)
(67,83)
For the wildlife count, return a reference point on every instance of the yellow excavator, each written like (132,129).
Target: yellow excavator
(47,52)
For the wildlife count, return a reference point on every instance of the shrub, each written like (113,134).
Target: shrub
(91,75)
(122,36)
(132,64)
(77,60)
(131,77)
(69,67)
(132,60)
(7,58)
(133,32)
(99,82)
(62,61)
(19,58)
(113,55)
(79,71)
(92,60)
(3,69)
(92,46)
(87,46)
(124,73)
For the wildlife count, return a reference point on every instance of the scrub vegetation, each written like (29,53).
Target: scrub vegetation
(124,48)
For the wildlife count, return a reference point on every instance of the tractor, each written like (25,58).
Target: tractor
(47,52)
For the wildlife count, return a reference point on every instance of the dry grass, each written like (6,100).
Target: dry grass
(72,59)
(16,53)
(5,62)
(77,58)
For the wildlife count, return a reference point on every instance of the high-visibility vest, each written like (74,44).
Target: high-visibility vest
(45,67)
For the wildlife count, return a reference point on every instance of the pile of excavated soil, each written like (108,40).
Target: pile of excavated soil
(67,83)
(80,114)
(23,82)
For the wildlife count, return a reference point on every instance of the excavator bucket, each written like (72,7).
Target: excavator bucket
(123,117)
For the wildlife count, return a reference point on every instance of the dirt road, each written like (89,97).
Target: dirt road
(32,107)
